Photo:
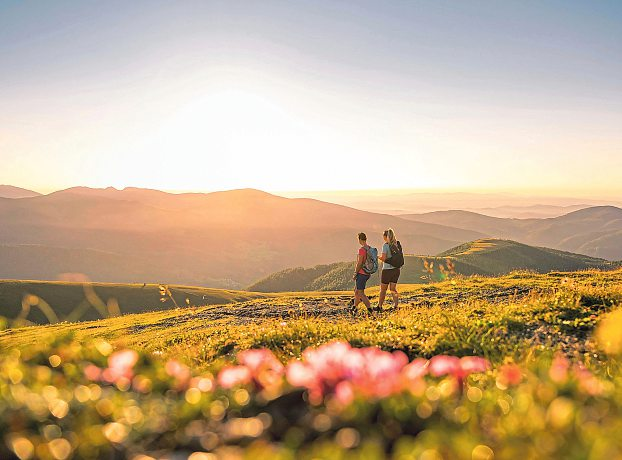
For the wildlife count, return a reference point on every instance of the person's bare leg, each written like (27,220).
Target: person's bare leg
(395,294)
(357,297)
(365,300)
(382,295)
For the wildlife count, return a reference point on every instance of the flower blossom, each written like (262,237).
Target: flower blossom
(231,376)
(510,374)
(179,371)
(120,366)
(260,367)
(338,369)
(460,368)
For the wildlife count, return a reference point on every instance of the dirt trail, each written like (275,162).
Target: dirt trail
(327,306)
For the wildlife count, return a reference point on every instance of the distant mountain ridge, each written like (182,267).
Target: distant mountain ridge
(232,238)
(480,257)
(594,231)
(220,239)
(10,191)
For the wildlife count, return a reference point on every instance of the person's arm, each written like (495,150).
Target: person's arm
(384,256)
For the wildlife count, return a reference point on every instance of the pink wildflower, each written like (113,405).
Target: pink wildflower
(380,373)
(179,371)
(344,393)
(558,371)
(260,367)
(588,383)
(510,374)
(232,376)
(473,365)
(92,372)
(337,368)
(332,362)
(444,365)
(417,369)
(459,368)
(301,375)
(266,370)
(120,365)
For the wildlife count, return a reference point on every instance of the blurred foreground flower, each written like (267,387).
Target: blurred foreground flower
(338,370)
(259,367)
(509,375)
(608,333)
(179,371)
(120,367)
(460,368)
(335,397)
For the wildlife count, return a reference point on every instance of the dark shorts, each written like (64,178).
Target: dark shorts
(390,275)
(361,281)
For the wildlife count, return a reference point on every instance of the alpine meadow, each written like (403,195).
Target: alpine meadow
(329,230)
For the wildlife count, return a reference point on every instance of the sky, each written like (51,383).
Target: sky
(519,96)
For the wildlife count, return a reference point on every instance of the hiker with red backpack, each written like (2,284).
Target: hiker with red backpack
(392,260)
(366,265)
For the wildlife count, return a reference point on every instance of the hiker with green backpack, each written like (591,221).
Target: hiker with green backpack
(366,265)
(392,260)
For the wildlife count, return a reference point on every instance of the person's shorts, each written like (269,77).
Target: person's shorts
(390,275)
(361,281)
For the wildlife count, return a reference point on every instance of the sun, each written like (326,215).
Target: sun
(243,138)
(232,122)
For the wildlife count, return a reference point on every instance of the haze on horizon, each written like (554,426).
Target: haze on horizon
(325,95)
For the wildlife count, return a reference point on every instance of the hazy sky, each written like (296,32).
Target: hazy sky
(312,95)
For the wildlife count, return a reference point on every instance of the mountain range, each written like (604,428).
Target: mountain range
(594,231)
(220,239)
(497,204)
(233,238)
(481,257)
(10,191)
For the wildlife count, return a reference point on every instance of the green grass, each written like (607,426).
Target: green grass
(89,301)
(519,321)
(511,315)
(481,257)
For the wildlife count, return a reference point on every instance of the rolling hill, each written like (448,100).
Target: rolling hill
(481,257)
(74,301)
(594,231)
(289,322)
(10,191)
(221,239)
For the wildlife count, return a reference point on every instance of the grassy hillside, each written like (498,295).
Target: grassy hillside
(295,279)
(42,262)
(540,361)
(88,301)
(482,315)
(493,256)
(483,257)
